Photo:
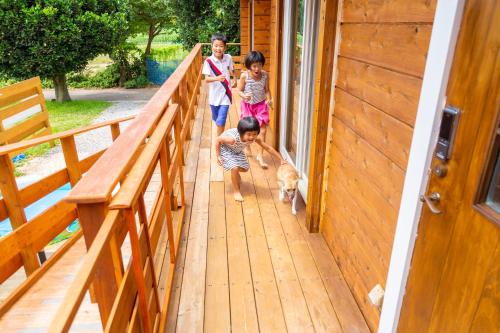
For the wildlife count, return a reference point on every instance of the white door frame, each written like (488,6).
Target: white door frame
(306,98)
(432,100)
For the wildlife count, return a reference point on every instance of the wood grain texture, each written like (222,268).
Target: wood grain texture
(441,249)
(394,93)
(394,11)
(387,134)
(382,54)
(402,48)
(323,85)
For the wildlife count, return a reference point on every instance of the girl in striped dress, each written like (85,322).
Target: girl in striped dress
(256,98)
(230,146)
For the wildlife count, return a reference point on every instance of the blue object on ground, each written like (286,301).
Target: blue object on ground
(38,206)
(160,71)
(18,158)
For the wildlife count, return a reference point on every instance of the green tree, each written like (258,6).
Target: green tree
(197,20)
(50,38)
(152,17)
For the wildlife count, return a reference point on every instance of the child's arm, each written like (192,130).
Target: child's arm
(270,150)
(269,97)
(211,78)
(222,140)
(241,87)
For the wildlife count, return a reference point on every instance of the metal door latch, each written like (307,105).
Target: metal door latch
(431,201)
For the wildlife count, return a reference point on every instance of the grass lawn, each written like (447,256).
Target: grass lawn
(65,116)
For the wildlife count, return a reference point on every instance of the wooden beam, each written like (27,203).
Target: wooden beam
(323,89)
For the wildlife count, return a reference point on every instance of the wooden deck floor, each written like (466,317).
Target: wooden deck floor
(251,267)
(241,267)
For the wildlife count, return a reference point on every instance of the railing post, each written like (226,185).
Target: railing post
(115,131)
(12,199)
(71,158)
(109,271)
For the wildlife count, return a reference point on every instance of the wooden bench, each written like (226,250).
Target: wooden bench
(16,100)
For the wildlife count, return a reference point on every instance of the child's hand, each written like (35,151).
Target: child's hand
(283,162)
(247,97)
(233,83)
(221,78)
(269,102)
(219,161)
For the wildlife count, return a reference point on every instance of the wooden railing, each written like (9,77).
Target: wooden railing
(130,299)
(20,247)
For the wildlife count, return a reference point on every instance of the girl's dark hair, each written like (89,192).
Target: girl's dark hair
(220,37)
(248,124)
(253,57)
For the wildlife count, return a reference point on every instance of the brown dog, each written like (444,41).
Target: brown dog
(288,180)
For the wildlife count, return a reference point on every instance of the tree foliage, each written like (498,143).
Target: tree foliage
(50,38)
(151,17)
(197,20)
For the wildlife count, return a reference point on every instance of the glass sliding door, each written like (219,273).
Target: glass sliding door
(299,49)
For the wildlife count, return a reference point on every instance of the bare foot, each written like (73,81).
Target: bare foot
(238,196)
(263,164)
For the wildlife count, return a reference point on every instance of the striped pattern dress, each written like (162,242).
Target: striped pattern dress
(233,156)
(256,87)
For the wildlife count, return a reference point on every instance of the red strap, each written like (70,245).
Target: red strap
(217,72)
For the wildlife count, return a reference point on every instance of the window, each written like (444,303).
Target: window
(488,202)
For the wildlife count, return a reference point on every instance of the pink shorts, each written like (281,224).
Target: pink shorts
(260,111)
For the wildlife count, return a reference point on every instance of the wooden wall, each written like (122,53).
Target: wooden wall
(266,39)
(244,27)
(380,65)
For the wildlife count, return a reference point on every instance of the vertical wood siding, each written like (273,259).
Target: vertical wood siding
(381,62)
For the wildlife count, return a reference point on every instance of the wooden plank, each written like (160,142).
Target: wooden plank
(11,197)
(14,109)
(96,188)
(25,286)
(351,276)
(191,164)
(383,173)
(41,188)
(194,146)
(383,216)
(216,171)
(37,141)
(124,304)
(217,311)
(320,308)
(269,311)
(321,109)
(294,305)
(173,306)
(71,158)
(398,47)
(350,317)
(67,311)
(398,11)
(243,310)
(24,129)
(487,316)
(191,306)
(387,134)
(394,93)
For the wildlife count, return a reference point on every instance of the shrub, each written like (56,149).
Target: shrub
(139,82)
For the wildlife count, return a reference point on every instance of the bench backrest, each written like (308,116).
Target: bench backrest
(23,113)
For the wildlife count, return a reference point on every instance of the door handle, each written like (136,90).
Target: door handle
(431,200)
